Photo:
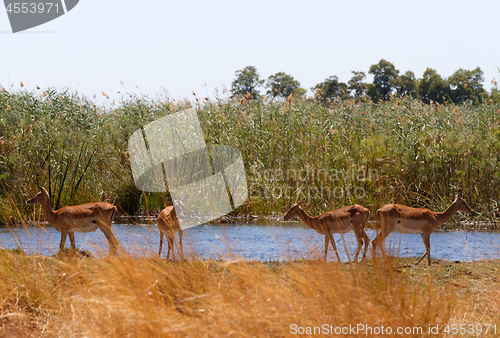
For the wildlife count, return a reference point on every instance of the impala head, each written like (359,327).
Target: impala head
(38,198)
(293,211)
(179,205)
(462,204)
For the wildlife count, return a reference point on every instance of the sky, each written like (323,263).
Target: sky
(146,47)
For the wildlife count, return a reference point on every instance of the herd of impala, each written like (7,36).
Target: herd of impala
(393,217)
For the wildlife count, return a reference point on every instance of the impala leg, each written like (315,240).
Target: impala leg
(379,240)
(170,242)
(426,238)
(113,242)
(428,248)
(359,238)
(367,243)
(161,242)
(180,243)
(327,243)
(72,240)
(334,246)
(64,233)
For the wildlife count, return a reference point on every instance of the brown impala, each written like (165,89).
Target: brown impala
(168,224)
(78,218)
(396,217)
(351,218)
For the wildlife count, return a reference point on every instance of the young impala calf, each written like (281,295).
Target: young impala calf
(168,224)
(396,217)
(351,218)
(78,218)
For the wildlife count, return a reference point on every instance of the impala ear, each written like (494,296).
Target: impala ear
(302,201)
(459,194)
(41,189)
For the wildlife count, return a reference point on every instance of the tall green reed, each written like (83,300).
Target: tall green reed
(400,151)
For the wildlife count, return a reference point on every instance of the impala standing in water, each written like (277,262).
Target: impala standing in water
(168,224)
(78,218)
(351,218)
(396,217)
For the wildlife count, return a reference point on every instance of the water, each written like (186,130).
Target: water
(273,240)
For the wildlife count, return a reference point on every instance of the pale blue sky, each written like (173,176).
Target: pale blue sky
(197,46)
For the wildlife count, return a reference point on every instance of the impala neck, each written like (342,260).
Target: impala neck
(443,217)
(48,213)
(310,221)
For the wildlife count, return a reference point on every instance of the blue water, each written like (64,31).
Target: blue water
(272,241)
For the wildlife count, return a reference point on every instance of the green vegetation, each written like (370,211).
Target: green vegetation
(331,90)
(463,86)
(357,88)
(384,78)
(247,83)
(332,152)
(283,85)
(400,150)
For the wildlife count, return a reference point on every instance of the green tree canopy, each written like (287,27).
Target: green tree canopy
(466,86)
(356,86)
(432,87)
(247,82)
(330,89)
(384,77)
(283,85)
(406,84)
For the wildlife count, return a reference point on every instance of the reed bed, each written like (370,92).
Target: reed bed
(337,154)
(147,297)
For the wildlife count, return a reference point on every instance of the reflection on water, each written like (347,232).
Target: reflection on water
(270,241)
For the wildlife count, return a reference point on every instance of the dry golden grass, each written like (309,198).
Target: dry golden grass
(148,297)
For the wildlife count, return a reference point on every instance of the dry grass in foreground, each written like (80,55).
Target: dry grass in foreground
(146,297)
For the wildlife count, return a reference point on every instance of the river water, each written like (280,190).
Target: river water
(270,240)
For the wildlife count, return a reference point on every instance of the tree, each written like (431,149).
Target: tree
(406,84)
(330,89)
(283,85)
(356,86)
(432,87)
(466,86)
(246,83)
(384,76)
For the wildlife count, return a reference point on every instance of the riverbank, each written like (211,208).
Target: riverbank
(264,220)
(126,297)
